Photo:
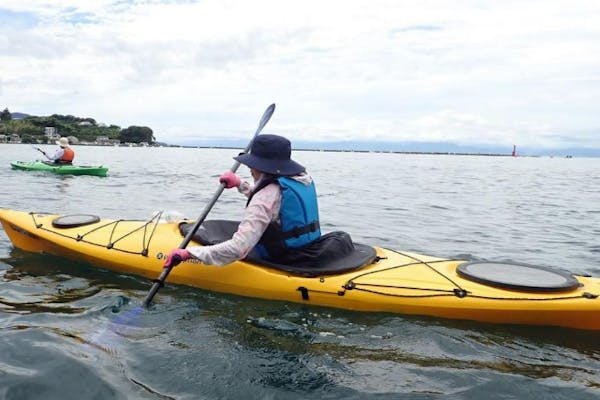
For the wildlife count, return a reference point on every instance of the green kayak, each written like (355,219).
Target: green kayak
(62,169)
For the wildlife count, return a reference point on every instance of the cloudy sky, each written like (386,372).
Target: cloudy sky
(468,72)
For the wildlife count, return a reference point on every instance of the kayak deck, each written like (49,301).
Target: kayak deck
(398,282)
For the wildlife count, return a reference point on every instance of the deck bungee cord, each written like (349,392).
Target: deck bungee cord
(113,226)
(458,291)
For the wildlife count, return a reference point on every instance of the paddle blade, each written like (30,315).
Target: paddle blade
(108,337)
(265,118)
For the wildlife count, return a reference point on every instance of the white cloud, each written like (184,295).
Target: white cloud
(462,71)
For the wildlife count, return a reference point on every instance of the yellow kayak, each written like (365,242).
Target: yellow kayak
(377,279)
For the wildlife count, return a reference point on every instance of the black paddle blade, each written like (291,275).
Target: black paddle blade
(265,118)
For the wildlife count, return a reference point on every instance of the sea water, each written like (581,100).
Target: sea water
(61,336)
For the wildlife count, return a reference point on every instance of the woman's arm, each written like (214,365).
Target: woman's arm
(263,208)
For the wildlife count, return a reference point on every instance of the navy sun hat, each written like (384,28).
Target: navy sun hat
(271,154)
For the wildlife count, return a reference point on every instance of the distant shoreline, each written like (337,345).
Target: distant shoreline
(440,153)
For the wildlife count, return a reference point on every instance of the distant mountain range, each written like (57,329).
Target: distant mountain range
(408,147)
(18,115)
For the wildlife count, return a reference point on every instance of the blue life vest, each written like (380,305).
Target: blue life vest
(298,215)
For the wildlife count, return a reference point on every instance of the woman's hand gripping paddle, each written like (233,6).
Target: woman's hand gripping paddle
(163,276)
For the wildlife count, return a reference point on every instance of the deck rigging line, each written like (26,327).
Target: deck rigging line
(458,291)
(146,239)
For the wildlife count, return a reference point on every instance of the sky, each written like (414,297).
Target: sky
(468,72)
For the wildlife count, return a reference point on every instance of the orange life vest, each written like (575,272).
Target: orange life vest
(68,155)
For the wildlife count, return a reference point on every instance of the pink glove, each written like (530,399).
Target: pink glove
(176,256)
(230,180)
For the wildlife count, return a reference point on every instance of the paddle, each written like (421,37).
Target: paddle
(163,276)
(40,150)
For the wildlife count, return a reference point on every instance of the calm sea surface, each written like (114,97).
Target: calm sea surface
(200,345)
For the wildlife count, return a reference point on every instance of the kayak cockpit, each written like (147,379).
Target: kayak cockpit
(57,164)
(333,253)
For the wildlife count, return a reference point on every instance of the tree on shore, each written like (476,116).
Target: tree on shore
(31,129)
(5,115)
(137,134)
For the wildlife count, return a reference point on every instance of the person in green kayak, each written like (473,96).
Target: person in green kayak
(281,213)
(64,154)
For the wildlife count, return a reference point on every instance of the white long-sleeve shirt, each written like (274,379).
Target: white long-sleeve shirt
(262,210)
(57,154)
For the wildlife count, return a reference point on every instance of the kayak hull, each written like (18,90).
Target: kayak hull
(397,282)
(61,169)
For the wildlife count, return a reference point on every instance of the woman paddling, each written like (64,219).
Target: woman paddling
(64,154)
(281,214)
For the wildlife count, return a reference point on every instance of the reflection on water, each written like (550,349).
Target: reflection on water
(64,183)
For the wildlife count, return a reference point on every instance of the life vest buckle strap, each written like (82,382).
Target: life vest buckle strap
(301,230)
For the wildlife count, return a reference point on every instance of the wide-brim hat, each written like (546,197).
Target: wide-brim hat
(271,154)
(62,142)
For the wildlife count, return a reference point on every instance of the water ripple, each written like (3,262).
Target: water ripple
(71,330)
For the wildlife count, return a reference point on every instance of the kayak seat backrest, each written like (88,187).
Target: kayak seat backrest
(333,253)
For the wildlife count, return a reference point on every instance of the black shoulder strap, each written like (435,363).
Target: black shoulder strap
(267,180)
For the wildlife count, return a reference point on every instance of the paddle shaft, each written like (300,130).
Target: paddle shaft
(40,150)
(186,240)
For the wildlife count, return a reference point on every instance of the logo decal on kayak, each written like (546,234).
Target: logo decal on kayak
(160,255)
